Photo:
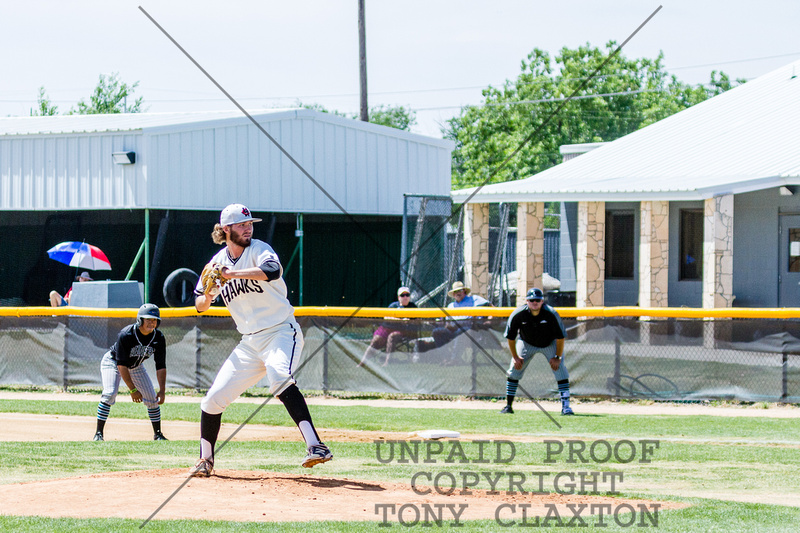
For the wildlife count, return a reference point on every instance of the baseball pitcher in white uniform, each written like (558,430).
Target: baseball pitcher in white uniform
(250,283)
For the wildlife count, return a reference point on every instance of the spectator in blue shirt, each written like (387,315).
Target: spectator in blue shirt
(454,326)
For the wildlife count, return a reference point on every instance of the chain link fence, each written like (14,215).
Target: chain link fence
(626,358)
(428,248)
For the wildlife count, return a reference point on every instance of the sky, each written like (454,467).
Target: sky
(431,56)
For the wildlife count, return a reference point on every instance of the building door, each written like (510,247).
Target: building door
(789,257)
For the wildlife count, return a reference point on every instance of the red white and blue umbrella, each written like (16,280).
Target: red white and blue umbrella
(80,255)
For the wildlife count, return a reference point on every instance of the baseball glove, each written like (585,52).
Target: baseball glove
(212,279)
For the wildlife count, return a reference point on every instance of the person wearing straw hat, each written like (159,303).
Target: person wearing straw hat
(56,300)
(455,326)
(464,298)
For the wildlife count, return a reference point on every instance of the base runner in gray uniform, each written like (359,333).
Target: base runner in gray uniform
(271,341)
(135,344)
(541,331)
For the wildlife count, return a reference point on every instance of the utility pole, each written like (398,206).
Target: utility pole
(362,60)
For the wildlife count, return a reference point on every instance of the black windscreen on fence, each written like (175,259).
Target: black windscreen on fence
(665,359)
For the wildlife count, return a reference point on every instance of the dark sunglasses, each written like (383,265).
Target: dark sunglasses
(405,294)
(535,300)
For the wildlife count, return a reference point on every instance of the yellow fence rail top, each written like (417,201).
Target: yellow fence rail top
(383,312)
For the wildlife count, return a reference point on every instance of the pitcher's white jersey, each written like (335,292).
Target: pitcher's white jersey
(255,305)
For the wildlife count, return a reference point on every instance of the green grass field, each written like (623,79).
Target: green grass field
(729,469)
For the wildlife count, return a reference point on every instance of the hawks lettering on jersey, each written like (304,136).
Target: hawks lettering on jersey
(254,305)
(235,287)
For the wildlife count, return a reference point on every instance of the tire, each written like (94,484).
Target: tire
(179,288)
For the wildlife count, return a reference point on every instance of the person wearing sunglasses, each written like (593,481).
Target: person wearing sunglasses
(390,334)
(541,332)
(453,326)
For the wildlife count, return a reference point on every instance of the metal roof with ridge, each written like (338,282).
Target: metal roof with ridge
(182,160)
(743,140)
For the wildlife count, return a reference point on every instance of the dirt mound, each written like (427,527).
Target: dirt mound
(250,496)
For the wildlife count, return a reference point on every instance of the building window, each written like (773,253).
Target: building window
(691,245)
(620,256)
(794,249)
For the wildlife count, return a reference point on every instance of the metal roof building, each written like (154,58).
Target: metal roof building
(103,178)
(699,209)
(206,160)
(743,140)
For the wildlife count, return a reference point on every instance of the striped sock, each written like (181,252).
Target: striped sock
(103,410)
(563,388)
(511,390)
(155,417)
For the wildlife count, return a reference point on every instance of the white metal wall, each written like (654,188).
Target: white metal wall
(63,172)
(363,171)
(365,168)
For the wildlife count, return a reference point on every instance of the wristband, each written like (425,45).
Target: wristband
(133,390)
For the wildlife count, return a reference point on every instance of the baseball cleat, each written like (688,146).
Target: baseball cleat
(566,411)
(317,454)
(507,410)
(159,436)
(98,436)
(202,468)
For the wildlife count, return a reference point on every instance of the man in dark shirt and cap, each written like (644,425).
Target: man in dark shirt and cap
(541,331)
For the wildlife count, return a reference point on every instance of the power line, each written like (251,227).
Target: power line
(734,61)
(472,87)
(409,91)
(542,101)
(584,97)
(618,114)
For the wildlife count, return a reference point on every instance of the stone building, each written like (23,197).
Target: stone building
(701,209)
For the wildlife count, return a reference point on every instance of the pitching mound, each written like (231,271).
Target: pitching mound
(248,496)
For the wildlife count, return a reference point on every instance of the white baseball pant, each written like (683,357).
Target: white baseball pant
(111,378)
(527,352)
(273,352)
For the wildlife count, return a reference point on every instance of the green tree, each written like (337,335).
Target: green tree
(44,107)
(322,109)
(398,117)
(486,135)
(393,116)
(110,96)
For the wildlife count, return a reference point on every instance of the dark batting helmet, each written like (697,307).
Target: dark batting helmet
(535,294)
(148,311)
